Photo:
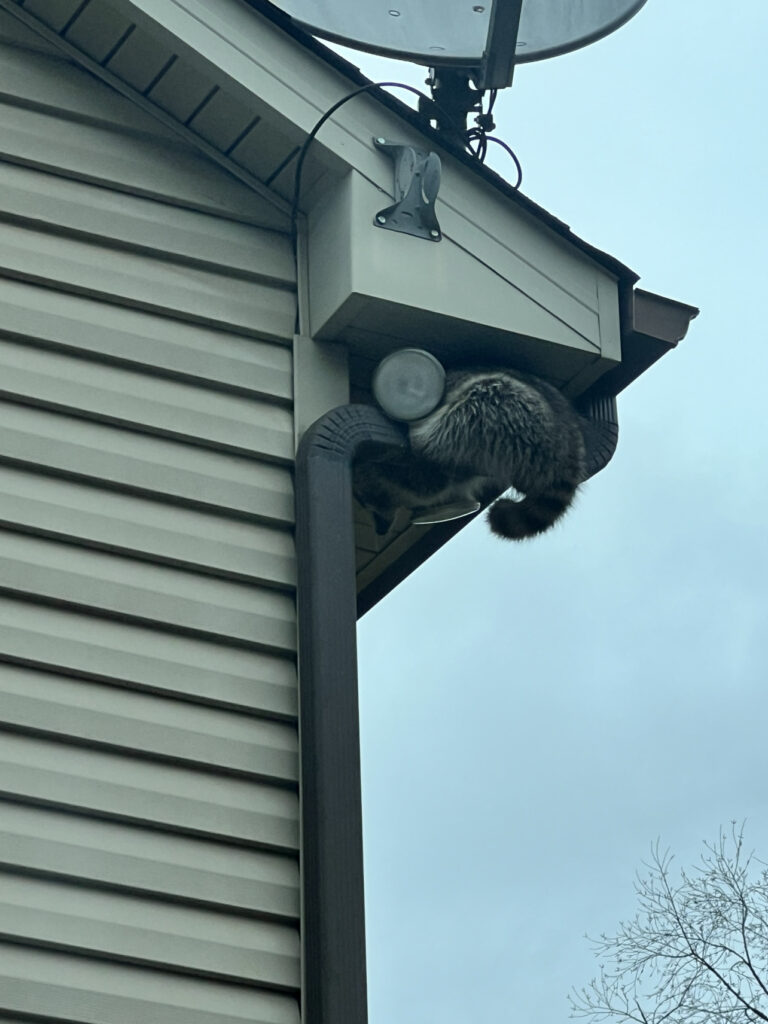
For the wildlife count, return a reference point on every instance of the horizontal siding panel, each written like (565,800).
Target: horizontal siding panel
(123,857)
(124,396)
(126,654)
(166,935)
(148,741)
(173,232)
(159,169)
(131,721)
(161,795)
(124,459)
(60,86)
(134,337)
(146,529)
(165,596)
(146,283)
(111,940)
(58,987)
(48,718)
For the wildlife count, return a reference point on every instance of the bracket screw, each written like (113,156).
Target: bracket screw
(434,234)
(381,220)
(381,141)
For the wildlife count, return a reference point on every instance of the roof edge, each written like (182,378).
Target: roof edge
(652,325)
(621,271)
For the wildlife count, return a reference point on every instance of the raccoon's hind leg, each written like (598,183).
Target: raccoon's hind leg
(402,482)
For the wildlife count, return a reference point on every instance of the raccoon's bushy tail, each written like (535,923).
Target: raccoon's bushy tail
(516,520)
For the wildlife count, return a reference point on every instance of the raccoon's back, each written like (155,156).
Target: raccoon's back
(515,429)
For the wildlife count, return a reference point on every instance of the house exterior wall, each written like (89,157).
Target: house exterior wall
(148,753)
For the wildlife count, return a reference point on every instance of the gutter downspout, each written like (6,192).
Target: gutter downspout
(333,935)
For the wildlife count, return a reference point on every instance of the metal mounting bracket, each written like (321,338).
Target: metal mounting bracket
(417,182)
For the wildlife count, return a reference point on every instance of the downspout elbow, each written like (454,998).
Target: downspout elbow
(600,429)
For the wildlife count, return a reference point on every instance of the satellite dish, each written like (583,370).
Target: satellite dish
(491,36)
(471,46)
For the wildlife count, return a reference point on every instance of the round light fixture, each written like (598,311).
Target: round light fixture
(408,384)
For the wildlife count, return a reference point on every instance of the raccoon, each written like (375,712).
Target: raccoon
(495,431)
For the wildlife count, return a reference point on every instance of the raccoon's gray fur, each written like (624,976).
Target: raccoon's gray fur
(495,430)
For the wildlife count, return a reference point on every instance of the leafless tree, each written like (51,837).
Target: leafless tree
(697,950)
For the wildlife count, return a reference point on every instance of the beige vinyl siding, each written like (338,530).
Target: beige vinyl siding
(148,743)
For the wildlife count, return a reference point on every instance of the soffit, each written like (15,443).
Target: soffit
(140,57)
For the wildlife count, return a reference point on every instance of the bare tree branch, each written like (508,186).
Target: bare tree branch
(697,950)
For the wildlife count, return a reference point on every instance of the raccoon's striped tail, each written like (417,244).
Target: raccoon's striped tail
(516,520)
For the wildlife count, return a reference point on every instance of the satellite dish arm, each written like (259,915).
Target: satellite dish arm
(498,65)
(452,92)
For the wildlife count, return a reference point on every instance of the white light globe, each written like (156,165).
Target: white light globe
(408,384)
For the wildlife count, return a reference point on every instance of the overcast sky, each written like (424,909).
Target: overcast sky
(534,716)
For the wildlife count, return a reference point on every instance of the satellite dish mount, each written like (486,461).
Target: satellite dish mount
(471,46)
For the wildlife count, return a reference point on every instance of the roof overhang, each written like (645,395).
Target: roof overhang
(238,80)
(273,82)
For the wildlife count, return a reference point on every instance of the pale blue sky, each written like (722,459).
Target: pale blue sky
(535,716)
